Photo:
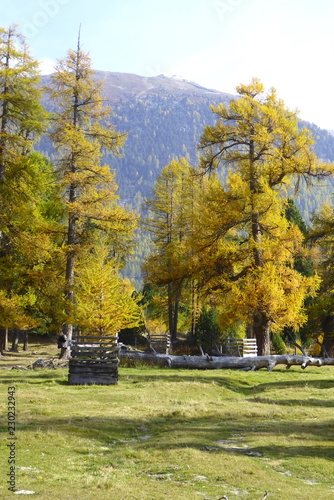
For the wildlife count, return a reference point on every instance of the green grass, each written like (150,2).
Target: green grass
(182,435)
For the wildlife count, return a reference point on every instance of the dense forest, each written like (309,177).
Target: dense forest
(214,205)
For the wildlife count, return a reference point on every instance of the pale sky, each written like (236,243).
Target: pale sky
(219,44)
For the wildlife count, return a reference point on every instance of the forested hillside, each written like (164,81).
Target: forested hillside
(164,119)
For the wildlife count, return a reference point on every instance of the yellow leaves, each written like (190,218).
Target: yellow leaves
(324,218)
(254,89)
(12,310)
(89,188)
(258,132)
(244,245)
(224,249)
(275,289)
(104,302)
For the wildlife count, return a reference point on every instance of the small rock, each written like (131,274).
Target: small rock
(43,363)
(201,478)
(24,492)
(253,454)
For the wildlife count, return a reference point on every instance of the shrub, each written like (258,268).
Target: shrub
(208,332)
(278,344)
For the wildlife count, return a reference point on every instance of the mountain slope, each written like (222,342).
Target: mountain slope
(164,118)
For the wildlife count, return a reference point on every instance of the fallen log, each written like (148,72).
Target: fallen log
(207,362)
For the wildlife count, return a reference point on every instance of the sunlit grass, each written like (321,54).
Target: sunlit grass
(164,433)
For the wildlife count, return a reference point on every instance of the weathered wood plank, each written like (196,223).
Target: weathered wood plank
(78,348)
(94,370)
(91,379)
(83,355)
(96,361)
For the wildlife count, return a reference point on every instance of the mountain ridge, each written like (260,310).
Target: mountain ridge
(118,85)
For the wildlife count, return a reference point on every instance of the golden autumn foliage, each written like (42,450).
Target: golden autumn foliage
(245,237)
(103,300)
(22,117)
(24,242)
(321,310)
(220,235)
(166,224)
(13,310)
(231,237)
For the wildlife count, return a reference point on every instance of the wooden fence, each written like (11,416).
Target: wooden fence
(161,343)
(94,360)
(242,347)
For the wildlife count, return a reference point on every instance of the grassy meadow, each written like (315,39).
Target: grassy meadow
(163,433)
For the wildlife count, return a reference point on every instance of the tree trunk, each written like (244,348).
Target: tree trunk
(65,353)
(15,341)
(173,310)
(64,345)
(170,308)
(4,118)
(69,277)
(72,223)
(261,329)
(328,345)
(250,331)
(193,311)
(3,340)
(226,362)
(26,341)
(176,314)
(6,339)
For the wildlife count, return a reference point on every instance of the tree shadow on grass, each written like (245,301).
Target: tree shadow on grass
(240,386)
(170,432)
(307,402)
(38,376)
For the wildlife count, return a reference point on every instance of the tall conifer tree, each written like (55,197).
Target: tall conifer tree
(170,221)
(89,188)
(321,310)
(252,244)
(22,119)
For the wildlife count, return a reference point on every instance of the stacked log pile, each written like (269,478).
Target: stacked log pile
(94,360)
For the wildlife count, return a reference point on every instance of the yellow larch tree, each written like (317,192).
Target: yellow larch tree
(321,236)
(81,132)
(247,245)
(168,222)
(104,302)
(22,120)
